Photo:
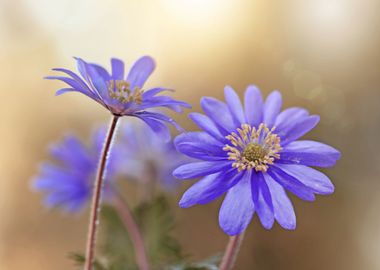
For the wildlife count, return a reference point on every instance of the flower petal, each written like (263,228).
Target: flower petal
(237,208)
(234,105)
(158,127)
(219,113)
(197,169)
(299,129)
(253,105)
(291,183)
(207,125)
(200,145)
(282,206)
(288,117)
(209,188)
(318,182)
(262,199)
(140,71)
(272,108)
(117,69)
(309,153)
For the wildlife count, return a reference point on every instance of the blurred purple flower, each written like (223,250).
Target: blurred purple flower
(67,181)
(141,154)
(123,96)
(252,154)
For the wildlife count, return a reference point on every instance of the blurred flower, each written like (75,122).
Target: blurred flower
(123,96)
(143,156)
(253,155)
(140,154)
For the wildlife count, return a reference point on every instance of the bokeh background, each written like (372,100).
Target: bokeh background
(322,54)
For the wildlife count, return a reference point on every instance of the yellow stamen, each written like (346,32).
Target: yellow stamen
(253,148)
(120,90)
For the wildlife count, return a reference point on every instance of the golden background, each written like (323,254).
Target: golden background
(322,54)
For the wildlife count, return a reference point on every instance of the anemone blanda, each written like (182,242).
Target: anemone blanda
(123,95)
(66,181)
(254,156)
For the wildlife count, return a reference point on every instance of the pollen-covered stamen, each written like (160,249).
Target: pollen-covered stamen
(253,148)
(120,90)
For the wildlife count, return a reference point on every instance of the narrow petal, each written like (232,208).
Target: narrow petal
(140,71)
(200,145)
(209,188)
(197,169)
(219,113)
(234,105)
(315,180)
(158,127)
(65,90)
(102,72)
(262,200)
(272,108)
(160,117)
(207,125)
(117,69)
(298,129)
(282,206)
(291,184)
(237,208)
(253,105)
(74,84)
(154,91)
(289,116)
(309,153)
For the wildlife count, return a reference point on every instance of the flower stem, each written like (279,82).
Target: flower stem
(132,228)
(96,197)
(231,252)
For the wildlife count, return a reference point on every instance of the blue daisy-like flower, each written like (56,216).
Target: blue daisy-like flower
(145,157)
(67,180)
(123,95)
(253,154)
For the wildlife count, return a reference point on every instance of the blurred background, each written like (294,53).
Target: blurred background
(322,54)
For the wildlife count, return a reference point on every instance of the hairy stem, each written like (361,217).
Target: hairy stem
(231,252)
(96,196)
(132,228)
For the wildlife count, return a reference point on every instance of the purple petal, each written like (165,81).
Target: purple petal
(288,117)
(200,145)
(219,113)
(262,200)
(209,188)
(253,105)
(117,69)
(65,90)
(299,129)
(309,153)
(282,206)
(207,125)
(158,127)
(237,208)
(292,184)
(197,169)
(102,72)
(160,117)
(154,91)
(234,105)
(272,108)
(318,182)
(74,84)
(140,71)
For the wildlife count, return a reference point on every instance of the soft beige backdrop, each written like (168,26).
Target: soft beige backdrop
(322,54)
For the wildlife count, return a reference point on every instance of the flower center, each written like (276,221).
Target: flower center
(120,90)
(252,148)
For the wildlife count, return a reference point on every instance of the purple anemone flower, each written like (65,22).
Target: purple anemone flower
(253,154)
(146,158)
(67,181)
(123,95)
